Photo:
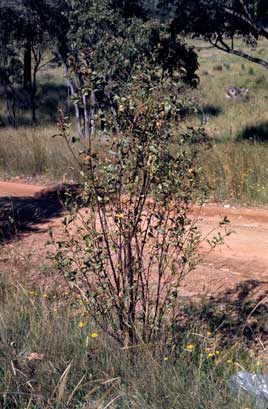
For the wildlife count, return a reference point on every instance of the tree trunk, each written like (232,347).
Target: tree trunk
(27,67)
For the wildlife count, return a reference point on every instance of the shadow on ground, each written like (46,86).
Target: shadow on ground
(20,215)
(212,110)
(235,314)
(254,133)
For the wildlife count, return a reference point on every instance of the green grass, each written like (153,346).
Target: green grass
(49,360)
(230,117)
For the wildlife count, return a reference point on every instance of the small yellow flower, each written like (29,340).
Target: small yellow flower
(211,355)
(45,295)
(94,335)
(65,293)
(190,347)
(209,334)
(165,358)
(229,361)
(81,324)
(217,352)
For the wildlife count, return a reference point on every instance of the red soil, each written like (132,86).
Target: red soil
(243,258)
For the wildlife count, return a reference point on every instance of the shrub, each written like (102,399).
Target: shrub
(127,252)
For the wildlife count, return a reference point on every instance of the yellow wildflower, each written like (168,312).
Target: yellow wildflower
(94,335)
(165,358)
(45,295)
(209,333)
(81,324)
(190,347)
(211,355)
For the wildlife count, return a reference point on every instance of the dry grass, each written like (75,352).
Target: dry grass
(33,151)
(53,356)
(237,172)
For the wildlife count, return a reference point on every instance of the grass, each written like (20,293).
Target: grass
(53,356)
(33,152)
(231,117)
(237,172)
(235,168)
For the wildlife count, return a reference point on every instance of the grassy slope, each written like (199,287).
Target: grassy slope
(236,166)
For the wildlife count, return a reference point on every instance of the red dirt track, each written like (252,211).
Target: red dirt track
(244,256)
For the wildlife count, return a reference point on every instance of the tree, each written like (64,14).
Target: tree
(221,22)
(113,36)
(20,29)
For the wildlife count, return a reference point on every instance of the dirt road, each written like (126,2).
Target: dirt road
(244,256)
(8,189)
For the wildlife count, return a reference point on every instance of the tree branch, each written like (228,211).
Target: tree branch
(221,45)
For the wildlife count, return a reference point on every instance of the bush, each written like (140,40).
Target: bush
(135,242)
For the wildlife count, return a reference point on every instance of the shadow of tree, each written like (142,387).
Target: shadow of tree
(254,133)
(23,214)
(212,110)
(238,314)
